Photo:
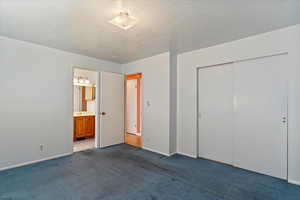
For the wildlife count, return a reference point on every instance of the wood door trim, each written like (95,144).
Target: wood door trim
(134,76)
(138,105)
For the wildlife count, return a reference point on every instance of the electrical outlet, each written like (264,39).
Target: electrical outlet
(42,147)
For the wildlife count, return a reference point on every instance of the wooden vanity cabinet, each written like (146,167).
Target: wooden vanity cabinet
(84,127)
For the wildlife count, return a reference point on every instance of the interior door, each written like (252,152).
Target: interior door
(260,115)
(215,118)
(111,109)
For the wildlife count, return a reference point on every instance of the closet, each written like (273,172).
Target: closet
(242,114)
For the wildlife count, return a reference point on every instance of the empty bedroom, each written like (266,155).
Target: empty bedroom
(150,100)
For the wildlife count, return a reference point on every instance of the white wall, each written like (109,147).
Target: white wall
(91,75)
(91,106)
(36,100)
(283,40)
(155,90)
(173,102)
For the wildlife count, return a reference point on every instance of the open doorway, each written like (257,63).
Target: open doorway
(84,109)
(133,134)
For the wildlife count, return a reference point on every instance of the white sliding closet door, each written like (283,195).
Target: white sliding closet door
(215,119)
(260,139)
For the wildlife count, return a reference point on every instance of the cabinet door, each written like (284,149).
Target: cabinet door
(90,126)
(93,125)
(79,127)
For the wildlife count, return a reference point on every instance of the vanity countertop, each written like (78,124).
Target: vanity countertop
(82,114)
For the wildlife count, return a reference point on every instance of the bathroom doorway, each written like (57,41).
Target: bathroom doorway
(133,133)
(84,109)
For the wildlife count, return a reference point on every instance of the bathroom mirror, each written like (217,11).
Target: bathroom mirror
(83,95)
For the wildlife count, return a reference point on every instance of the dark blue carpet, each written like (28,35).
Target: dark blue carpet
(126,173)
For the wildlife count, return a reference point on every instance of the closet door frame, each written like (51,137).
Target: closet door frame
(233,62)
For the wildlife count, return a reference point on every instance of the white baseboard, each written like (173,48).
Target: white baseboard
(294,182)
(155,151)
(108,146)
(172,154)
(188,155)
(35,161)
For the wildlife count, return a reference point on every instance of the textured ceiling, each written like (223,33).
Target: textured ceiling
(81,26)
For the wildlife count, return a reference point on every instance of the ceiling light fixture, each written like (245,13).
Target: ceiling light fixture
(124,20)
(81,81)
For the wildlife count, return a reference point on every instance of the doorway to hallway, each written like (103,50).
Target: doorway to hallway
(133,135)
